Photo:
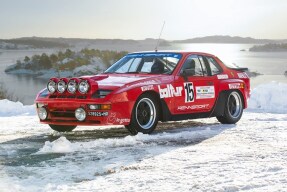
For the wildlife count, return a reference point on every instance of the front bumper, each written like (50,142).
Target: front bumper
(62,112)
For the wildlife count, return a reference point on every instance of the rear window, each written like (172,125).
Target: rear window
(214,66)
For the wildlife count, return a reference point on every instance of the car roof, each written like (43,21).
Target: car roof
(184,52)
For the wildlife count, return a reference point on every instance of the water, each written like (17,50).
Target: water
(23,88)
(272,65)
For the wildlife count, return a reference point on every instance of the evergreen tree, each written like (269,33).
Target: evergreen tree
(27,59)
(45,61)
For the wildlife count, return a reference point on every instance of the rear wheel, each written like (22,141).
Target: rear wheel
(145,115)
(233,109)
(63,128)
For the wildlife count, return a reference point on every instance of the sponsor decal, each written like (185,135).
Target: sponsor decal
(191,107)
(236,85)
(98,113)
(169,91)
(150,82)
(242,75)
(113,119)
(222,76)
(205,92)
(147,88)
(189,92)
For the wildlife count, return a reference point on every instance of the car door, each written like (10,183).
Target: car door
(198,85)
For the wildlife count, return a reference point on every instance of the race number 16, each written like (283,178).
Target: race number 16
(189,92)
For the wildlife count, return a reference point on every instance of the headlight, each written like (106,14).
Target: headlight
(42,113)
(101,93)
(51,86)
(83,87)
(44,93)
(61,86)
(72,86)
(80,114)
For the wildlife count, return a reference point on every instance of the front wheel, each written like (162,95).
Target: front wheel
(233,109)
(145,115)
(63,128)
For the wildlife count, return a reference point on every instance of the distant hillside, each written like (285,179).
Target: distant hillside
(270,47)
(33,42)
(121,44)
(228,39)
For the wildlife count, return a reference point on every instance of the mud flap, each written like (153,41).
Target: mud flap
(220,105)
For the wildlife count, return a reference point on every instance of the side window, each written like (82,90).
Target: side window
(193,64)
(204,70)
(214,67)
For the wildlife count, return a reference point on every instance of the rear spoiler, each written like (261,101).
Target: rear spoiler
(242,69)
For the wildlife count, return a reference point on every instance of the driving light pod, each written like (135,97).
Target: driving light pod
(51,86)
(80,114)
(61,86)
(72,86)
(100,106)
(83,86)
(42,113)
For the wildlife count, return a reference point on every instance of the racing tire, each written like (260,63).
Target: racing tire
(145,115)
(63,128)
(233,108)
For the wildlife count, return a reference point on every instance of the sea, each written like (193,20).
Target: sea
(272,66)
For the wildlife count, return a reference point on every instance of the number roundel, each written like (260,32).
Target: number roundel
(189,92)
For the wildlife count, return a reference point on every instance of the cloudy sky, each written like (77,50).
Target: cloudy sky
(140,19)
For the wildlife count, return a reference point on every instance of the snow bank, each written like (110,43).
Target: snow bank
(61,145)
(269,98)
(10,108)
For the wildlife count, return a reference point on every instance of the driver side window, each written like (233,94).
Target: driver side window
(194,67)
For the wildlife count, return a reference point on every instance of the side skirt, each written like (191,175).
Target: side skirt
(217,110)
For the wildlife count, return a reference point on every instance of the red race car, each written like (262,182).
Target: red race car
(146,87)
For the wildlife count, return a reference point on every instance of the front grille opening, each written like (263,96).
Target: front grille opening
(82,97)
(65,114)
(67,97)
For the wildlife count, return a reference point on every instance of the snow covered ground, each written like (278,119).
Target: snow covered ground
(197,155)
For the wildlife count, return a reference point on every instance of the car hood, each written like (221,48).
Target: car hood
(114,81)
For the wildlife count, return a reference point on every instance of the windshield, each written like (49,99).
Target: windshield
(152,63)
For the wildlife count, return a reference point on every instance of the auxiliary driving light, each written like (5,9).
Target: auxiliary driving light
(61,86)
(83,87)
(42,113)
(72,86)
(99,106)
(51,86)
(94,107)
(80,114)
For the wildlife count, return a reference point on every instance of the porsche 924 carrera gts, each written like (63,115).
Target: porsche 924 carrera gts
(146,87)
